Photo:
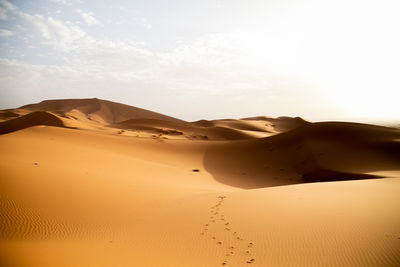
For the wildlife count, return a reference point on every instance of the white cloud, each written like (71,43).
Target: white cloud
(277,66)
(5,33)
(64,2)
(3,13)
(63,36)
(144,22)
(67,2)
(88,17)
(205,71)
(5,7)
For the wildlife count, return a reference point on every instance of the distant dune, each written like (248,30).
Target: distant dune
(89,182)
(184,129)
(96,109)
(29,120)
(97,114)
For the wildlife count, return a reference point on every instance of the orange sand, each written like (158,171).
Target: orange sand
(96,183)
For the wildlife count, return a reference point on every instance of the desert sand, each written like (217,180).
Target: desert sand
(89,182)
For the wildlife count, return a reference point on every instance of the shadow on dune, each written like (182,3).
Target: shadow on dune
(32,119)
(324,175)
(318,152)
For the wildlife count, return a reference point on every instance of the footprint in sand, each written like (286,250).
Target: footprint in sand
(216,214)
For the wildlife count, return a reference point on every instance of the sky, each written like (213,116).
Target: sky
(209,59)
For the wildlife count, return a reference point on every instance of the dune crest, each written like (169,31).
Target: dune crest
(29,120)
(109,112)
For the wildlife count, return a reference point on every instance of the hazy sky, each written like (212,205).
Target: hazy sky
(322,60)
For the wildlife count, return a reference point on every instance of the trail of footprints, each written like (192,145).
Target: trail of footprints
(217,220)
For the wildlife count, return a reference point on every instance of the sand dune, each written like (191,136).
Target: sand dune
(95,196)
(107,116)
(7,114)
(315,152)
(29,120)
(224,129)
(98,110)
(280,124)
(182,129)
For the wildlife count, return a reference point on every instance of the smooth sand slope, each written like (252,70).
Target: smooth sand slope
(82,193)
